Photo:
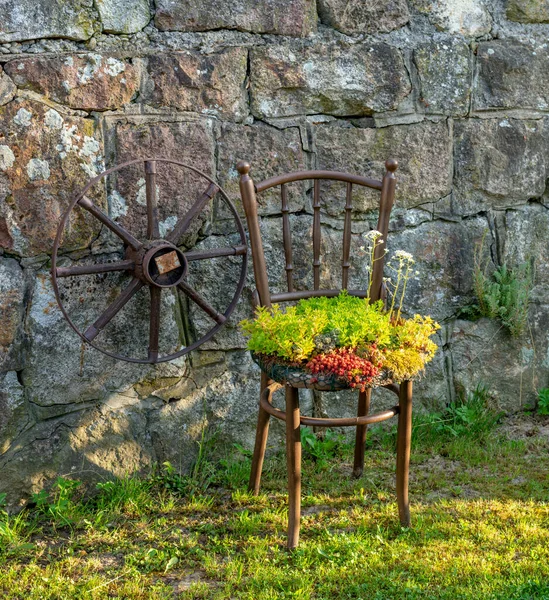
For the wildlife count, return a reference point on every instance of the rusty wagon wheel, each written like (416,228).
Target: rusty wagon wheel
(155,261)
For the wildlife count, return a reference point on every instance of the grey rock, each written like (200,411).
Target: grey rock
(359,16)
(522,236)
(95,444)
(7,88)
(511,74)
(528,11)
(470,18)
(13,414)
(444,70)
(216,280)
(443,253)
(484,354)
(270,152)
(282,17)
(423,151)
(499,163)
(29,20)
(123,16)
(62,371)
(224,402)
(336,80)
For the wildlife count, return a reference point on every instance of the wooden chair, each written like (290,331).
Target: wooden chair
(292,415)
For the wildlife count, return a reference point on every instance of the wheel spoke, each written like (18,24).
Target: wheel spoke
(126,236)
(152,207)
(154,330)
(203,304)
(183,225)
(123,265)
(113,309)
(216,252)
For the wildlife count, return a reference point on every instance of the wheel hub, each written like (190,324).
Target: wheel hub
(159,263)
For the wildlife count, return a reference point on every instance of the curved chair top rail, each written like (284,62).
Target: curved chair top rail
(375,184)
(248,191)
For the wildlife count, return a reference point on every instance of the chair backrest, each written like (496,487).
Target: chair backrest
(248,191)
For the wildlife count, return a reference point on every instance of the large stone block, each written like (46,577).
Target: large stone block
(216,280)
(483,353)
(423,151)
(61,371)
(470,18)
(444,253)
(212,84)
(123,16)
(7,88)
(283,17)
(334,79)
(225,403)
(528,11)
(189,142)
(12,310)
(511,74)
(87,81)
(29,20)
(13,414)
(45,156)
(523,236)
(93,444)
(499,163)
(364,16)
(444,69)
(270,152)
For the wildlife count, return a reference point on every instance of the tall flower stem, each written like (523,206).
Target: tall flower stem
(406,277)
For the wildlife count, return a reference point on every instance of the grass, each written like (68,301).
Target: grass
(479,507)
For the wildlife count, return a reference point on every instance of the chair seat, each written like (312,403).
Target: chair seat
(298,377)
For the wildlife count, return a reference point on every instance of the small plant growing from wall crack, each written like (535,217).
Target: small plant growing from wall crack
(543,401)
(504,293)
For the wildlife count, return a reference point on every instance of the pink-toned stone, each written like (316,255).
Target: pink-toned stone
(12,296)
(190,81)
(189,142)
(85,81)
(7,88)
(45,157)
(283,17)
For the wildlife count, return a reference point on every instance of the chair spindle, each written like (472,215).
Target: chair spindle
(287,237)
(316,234)
(346,238)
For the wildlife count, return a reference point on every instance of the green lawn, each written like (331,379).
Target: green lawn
(480,510)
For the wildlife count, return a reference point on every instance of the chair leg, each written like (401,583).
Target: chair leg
(404,436)
(261,435)
(360,443)
(293,460)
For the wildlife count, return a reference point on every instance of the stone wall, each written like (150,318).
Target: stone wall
(456,91)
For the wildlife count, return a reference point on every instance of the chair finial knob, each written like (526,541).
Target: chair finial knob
(391,165)
(243,167)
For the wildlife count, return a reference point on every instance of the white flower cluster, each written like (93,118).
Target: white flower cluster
(401,255)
